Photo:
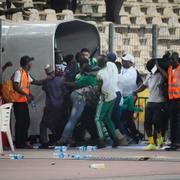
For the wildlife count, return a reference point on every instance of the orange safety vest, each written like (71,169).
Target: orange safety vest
(24,85)
(174,83)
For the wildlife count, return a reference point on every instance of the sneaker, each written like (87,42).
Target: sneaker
(160,142)
(130,141)
(138,137)
(116,143)
(123,142)
(173,147)
(101,144)
(150,147)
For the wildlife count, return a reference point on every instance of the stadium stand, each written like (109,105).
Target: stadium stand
(133,34)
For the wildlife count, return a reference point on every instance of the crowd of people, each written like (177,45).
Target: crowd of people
(92,101)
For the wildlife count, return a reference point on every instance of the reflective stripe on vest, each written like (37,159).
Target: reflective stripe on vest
(24,85)
(174,83)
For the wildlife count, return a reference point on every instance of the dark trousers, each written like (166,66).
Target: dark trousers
(53,119)
(165,121)
(174,115)
(59,5)
(8,3)
(87,120)
(86,123)
(113,8)
(72,4)
(127,117)
(21,112)
(153,117)
(116,114)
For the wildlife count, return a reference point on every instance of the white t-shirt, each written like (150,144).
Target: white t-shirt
(120,86)
(128,79)
(17,77)
(109,86)
(153,82)
(113,72)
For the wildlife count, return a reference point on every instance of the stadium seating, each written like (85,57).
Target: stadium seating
(134,34)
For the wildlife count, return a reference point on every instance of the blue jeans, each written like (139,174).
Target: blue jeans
(78,105)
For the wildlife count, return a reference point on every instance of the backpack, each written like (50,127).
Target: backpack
(91,94)
(8,92)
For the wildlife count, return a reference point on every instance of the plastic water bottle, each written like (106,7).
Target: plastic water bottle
(75,156)
(87,148)
(33,105)
(59,155)
(16,156)
(91,148)
(87,157)
(82,148)
(60,148)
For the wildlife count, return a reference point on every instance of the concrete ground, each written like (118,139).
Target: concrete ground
(131,163)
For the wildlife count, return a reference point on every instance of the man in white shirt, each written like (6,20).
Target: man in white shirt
(155,108)
(116,114)
(129,76)
(108,79)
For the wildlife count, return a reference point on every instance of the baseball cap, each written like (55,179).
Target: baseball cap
(25,60)
(111,56)
(128,57)
(48,69)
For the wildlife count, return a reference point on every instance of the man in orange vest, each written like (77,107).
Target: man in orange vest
(21,83)
(173,76)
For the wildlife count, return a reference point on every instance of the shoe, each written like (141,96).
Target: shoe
(138,137)
(160,142)
(47,145)
(28,145)
(72,143)
(122,139)
(90,142)
(173,147)
(150,147)
(60,143)
(130,141)
(168,142)
(123,142)
(101,144)
(116,143)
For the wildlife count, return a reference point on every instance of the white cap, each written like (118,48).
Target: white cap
(128,57)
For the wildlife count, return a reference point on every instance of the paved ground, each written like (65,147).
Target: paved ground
(122,163)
